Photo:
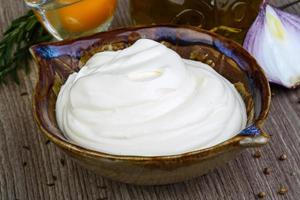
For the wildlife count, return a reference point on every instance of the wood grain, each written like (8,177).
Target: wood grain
(31,168)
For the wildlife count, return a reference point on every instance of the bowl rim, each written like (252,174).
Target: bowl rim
(68,145)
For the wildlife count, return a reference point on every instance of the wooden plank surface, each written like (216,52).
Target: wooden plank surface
(31,168)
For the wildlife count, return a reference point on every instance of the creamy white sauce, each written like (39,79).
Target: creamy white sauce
(146,100)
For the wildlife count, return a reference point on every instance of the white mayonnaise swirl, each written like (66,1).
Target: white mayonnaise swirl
(146,100)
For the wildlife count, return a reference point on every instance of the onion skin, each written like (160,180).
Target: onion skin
(274,40)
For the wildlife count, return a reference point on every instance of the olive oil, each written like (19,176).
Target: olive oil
(230,18)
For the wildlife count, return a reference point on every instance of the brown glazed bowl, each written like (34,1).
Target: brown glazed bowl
(58,60)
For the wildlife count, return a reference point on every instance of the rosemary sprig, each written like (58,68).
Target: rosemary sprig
(14,46)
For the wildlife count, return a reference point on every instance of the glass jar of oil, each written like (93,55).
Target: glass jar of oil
(230,18)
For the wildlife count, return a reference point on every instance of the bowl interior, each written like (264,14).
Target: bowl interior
(58,60)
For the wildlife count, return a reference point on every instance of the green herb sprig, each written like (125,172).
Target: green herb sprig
(23,32)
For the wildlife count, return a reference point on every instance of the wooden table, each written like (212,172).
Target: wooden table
(33,169)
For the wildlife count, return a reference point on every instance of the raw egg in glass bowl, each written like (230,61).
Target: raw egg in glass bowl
(73,18)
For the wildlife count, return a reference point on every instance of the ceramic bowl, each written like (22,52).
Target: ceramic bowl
(58,60)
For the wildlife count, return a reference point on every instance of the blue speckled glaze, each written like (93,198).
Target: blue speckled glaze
(230,53)
(250,131)
(222,48)
(47,52)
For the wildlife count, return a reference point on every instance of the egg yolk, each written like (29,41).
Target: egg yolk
(85,14)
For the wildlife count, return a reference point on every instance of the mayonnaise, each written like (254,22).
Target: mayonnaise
(146,100)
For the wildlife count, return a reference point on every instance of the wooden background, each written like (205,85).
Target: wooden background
(31,168)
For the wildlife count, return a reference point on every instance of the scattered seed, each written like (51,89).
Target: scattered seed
(54,178)
(282,190)
(262,195)
(24,94)
(47,142)
(293,174)
(273,94)
(283,157)
(267,171)
(257,154)
(62,162)
(26,147)
(270,134)
(24,164)
(50,184)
